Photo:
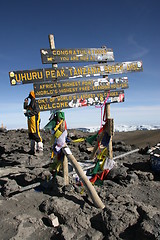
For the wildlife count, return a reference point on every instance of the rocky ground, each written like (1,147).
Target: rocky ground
(50,210)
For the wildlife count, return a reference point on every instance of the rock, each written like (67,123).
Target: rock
(71,135)
(53,220)
(2,150)
(67,232)
(144,150)
(59,181)
(150,228)
(130,194)
(68,188)
(132,178)
(145,176)
(46,175)
(118,172)
(116,218)
(84,147)
(10,187)
(149,223)
(3,130)
(122,147)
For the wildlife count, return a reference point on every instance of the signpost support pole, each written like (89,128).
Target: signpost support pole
(90,189)
(110,150)
(65,160)
(99,139)
(65,170)
(52,45)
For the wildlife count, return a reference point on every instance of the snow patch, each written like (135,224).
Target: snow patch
(122,128)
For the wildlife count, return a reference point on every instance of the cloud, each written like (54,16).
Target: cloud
(140,50)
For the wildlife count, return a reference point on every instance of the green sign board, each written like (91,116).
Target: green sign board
(41,75)
(55,88)
(76,55)
(79,100)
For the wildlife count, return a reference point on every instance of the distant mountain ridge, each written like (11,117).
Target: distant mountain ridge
(122,128)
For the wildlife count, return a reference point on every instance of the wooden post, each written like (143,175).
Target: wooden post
(65,161)
(90,189)
(65,171)
(99,139)
(110,150)
(52,45)
(108,128)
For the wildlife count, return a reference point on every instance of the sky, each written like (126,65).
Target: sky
(130,28)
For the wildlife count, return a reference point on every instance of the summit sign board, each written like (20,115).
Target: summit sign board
(73,86)
(79,100)
(76,55)
(49,74)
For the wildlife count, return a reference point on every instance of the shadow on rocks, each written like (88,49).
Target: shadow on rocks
(141,166)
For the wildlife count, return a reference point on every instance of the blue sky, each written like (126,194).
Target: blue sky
(130,28)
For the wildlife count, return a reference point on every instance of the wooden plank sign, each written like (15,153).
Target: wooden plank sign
(79,100)
(49,74)
(76,55)
(69,87)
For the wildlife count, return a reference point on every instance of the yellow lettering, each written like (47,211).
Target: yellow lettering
(40,101)
(58,73)
(89,71)
(34,75)
(84,71)
(53,105)
(79,71)
(62,52)
(23,76)
(29,76)
(74,52)
(62,72)
(53,74)
(93,69)
(66,104)
(75,72)
(110,69)
(98,70)
(114,69)
(42,86)
(121,68)
(41,107)
(106,69)
(17,80)
(92,58)
(62,105)
(40,75)
(128,67)
(70,72)
(47,73)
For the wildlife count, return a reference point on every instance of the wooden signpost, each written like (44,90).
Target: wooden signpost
(69,87)
(96,70)
(76,55)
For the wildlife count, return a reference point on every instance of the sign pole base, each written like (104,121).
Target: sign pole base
(90,189)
